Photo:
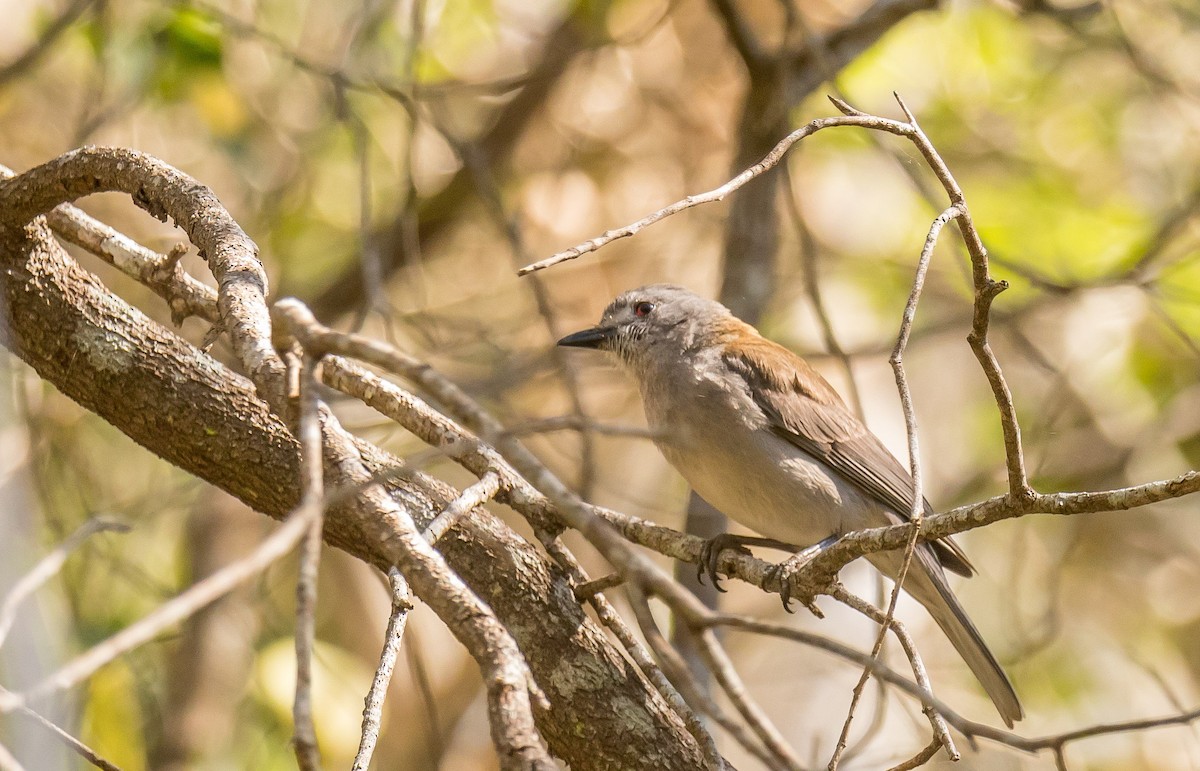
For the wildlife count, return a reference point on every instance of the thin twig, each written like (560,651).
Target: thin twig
(200,594)
(958,520)
(637,651)
(941,732)
(76,746)
(986,290)
(735,690)
(590,589)
(485,182)
(740,34)
(375,297)
(920,759)
(48,566)
(812,284)
(312,491)
(419,672)
(576,423)
(845,652)
(373,707)
(474,496)
(917,513)
(719,193)
(677,670)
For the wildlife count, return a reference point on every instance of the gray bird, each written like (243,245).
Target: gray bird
(760,435)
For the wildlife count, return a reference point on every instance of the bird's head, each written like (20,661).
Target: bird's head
(655,323)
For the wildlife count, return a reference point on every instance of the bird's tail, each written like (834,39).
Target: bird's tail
(926,581)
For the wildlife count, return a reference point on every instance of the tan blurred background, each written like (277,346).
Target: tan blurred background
(426,149)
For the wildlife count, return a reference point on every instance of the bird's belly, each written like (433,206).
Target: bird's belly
(770,486)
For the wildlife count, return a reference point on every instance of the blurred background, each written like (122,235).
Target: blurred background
(396,160)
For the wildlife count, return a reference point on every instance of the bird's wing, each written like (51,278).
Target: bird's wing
(805,410)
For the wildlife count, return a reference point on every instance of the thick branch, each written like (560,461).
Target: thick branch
(184,406)
(242,288)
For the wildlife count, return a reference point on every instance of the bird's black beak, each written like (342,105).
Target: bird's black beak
(596,337)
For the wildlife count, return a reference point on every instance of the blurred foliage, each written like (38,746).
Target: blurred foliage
(330,131)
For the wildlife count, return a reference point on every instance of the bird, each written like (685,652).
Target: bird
(763,437)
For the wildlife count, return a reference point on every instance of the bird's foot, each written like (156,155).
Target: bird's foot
(710,552)
(710,555)
(783,572)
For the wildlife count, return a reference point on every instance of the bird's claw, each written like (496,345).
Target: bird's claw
(782,573)
(779,572)
(710,556)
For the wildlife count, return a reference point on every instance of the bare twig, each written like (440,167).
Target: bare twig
(424,219)
(185,295)
(637,651)
(1002,507)
(312,491)
(940,731)
(476,161)
(48,567)
(921,758)
(419,671)
(697,698)
(476,495)
(171,612)
(76,746)
(986,290)
(589,589)
(735,690)
(917,513)
(373,708)
(575,423)
(1145,265)
(719,193)
(845,652)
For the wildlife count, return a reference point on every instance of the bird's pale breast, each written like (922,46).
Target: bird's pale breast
(714,434)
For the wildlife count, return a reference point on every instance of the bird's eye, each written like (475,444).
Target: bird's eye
(643,309)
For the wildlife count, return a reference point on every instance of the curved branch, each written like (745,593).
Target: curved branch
(184,406)
(164,191)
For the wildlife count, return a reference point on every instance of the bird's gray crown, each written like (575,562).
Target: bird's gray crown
(668,299)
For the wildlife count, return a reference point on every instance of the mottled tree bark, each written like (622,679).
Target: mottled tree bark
(197,414)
